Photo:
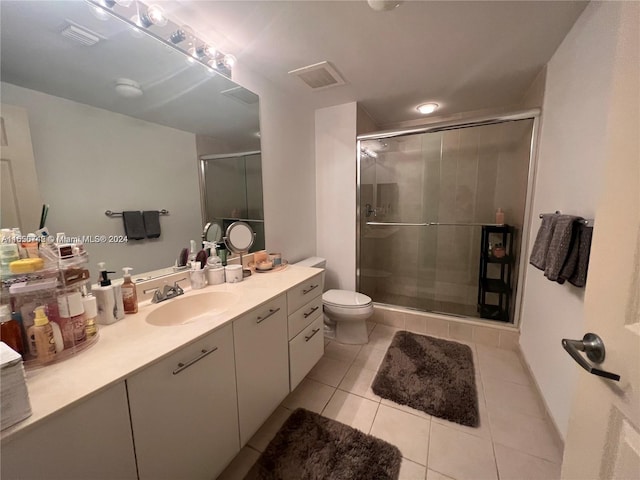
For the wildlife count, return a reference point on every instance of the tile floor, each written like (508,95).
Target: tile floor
(514,440)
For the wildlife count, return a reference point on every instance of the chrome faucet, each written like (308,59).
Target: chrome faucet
(167,292)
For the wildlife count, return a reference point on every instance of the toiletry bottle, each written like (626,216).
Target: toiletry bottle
(41,337)
(10,331)
(499,217)
(129,296)
(222,253)
(72,320)
(91,313)
(192,252)
(109,298)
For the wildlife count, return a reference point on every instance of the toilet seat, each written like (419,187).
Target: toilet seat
(345,299)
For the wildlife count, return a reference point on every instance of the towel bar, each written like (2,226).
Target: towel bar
(584,221)
(109,213)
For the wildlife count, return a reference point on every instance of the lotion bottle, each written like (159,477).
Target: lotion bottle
(109,298)
(41,337)
(499,217)
(129,296)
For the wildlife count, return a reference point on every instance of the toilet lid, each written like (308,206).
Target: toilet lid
(345,298)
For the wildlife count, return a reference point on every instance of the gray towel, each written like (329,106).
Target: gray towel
(152,223)
(540,247)
(559,246)
(579,277)
(133,225)
(571,262)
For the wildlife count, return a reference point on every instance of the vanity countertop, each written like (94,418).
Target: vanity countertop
(132,344)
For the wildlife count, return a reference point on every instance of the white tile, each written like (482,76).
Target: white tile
(342,352)
(352,410)
(358,381)
(369,358)
(329,371)
(381,337)
(515,465)
(460,331)
(437,327)
(240,465)
(460,455)
(411,471)
(268,430)
(433,475)
(509,340)
(407,432)
(501,395)
(370,326)
(415,323)
(525,433)
(309,394)
(486,336)
(501,364)
(404,408)
(393,318)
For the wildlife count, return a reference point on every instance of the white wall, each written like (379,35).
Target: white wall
(570,160)
(336,193)
(288,172)
(90,160)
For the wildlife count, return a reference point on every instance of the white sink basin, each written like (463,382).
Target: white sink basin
(185,310)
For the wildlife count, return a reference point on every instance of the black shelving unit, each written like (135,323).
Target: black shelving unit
(499,283)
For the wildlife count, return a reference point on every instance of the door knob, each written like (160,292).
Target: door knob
(593,346)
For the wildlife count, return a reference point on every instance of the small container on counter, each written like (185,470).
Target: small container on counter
(215,275)
(10,331)
(233,273)
(72,320)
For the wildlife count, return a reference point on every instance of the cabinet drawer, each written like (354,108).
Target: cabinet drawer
(262,364)
(303,293)
(184,411)
(305,350)
(302,317)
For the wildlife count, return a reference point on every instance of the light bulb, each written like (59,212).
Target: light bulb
(427,108)
(229,61)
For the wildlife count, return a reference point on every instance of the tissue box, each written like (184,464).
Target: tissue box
(14,395)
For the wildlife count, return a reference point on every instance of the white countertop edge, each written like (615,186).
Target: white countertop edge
(131,344)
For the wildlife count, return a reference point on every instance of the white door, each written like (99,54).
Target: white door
(20,199)
(603,440)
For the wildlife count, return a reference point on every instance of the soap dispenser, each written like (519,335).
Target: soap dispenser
(109,298)
(129,296)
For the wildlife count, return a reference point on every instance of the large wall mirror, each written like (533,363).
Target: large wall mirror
(113,119)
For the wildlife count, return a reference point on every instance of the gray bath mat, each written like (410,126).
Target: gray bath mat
(309,446)
(429,374)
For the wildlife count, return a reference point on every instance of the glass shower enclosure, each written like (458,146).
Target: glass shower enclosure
(428,238)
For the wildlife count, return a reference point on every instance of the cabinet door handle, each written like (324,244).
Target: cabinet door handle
(310,312)
(203,353)
(271,312)
(307,338)
(312,287)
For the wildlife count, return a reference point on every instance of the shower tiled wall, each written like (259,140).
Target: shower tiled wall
(456,176)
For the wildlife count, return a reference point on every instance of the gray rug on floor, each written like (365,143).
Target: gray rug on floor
(430,374)
(309,446)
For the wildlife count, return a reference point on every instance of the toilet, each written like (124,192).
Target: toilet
(345,311)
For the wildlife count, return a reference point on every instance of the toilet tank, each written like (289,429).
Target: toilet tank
(317,262)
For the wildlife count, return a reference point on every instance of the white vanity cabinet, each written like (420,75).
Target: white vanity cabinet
(305,328)
(184,411)
(262,363)
(90,441)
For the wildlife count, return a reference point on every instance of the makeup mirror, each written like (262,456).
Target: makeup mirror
(239,239)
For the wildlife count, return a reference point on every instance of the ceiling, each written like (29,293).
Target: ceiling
(463,55)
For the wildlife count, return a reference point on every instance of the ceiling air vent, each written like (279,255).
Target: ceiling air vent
(319,76)
(241,94)
(80,35)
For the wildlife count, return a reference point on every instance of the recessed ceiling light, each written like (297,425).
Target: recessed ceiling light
(427,108)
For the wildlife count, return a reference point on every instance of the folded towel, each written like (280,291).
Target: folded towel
(579,277)
(133,225)
(152,223)
(559,246)
(543,239)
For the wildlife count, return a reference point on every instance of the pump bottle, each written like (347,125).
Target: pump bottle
(40,334)
(109,298)
(129,295)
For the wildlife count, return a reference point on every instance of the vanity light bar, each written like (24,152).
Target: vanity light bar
(152,18)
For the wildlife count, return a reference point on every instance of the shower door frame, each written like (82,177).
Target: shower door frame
(531,114)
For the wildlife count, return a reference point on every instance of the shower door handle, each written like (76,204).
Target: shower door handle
(369,210)
(398,224)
